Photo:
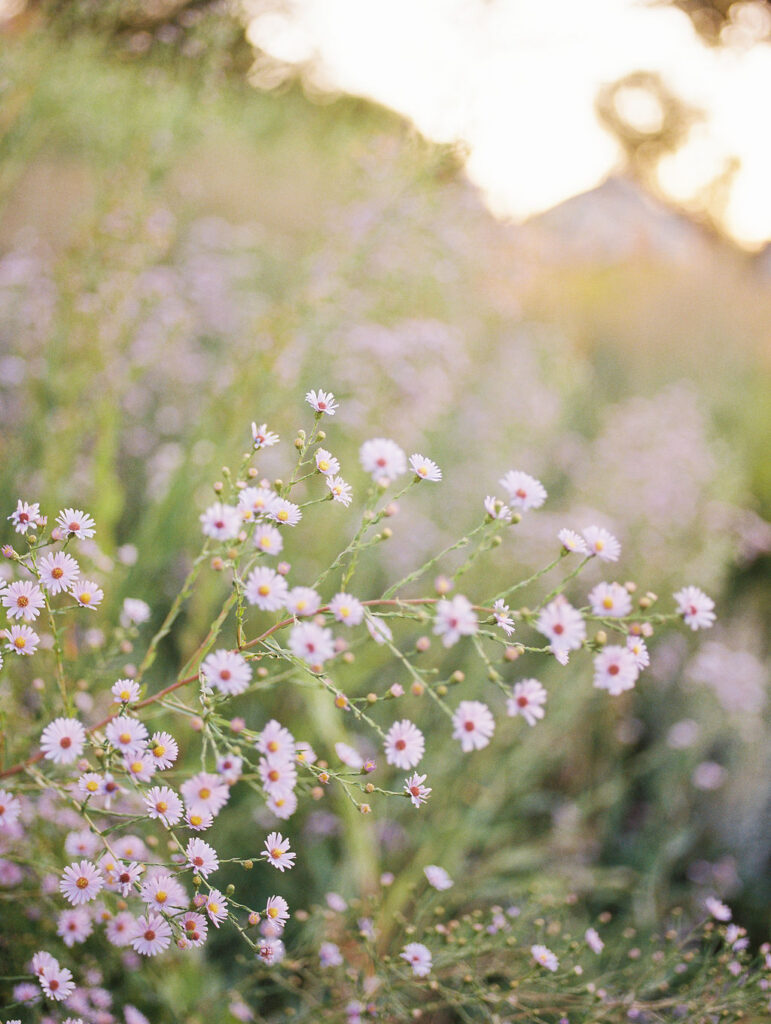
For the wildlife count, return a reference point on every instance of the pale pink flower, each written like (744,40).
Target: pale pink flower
(285,513)
(56,983)
(496,509)
(425,469)
(230,768)
(639,649)
(322,402)
(349,756)
(602,543)
(404,744)
(502,617)
(195,928)
(262,437)
(527,699)
(134,612)
(277,852)
(58,571)
(473,725)
(21,640)
(10,809)
(593,940)
(311,643)
(341,491)
(718,910)
(326,463)
(271,951)
(163,803)
(563,625)
(198,818)
(206,791)
(140,765)
(455,618)
(254,502)
(268,539)
(277,740)
(572,541)
(383,459)
(347,609)
(525,492)
(81,883)
(91,784)
(126,691)
(610,600)
(378,629)
(330,955)
(544,956)
(125,877)
(74,926)
(75,523)
(278,774)
(438,877)
(120,928)
(266,589)
(221,522)
(695,607)
(415,790)
(87,593)
(126,734)
(301,601)
(152,935)
(23,599)
(418,957)
(283,805)
(226,671)
(63,740)
(615,670)
(164,749)
(201,857)
(277,910)
(25,515)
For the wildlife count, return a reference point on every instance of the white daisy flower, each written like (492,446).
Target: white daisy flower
(418,957)
(262,437)
(326,463)
(473,725)
(615,670)
(602,543)
(25,516)
(572,541)
(73,522)
(226,671)
(454,618)
(383,459)
(527,699)
(695,607)
(610,600)
(322,402)
(58,571)
(341,491)
(23,599)
(524,491)
(425,469)
(266,589)
(221,521)
(404,744)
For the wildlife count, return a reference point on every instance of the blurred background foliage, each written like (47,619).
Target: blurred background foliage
(181,253)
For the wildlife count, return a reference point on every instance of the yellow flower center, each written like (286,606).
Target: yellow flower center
(82,882)
(85,597)
(607,602)
(92,786)
(20,642)
(283,515)
(264,590)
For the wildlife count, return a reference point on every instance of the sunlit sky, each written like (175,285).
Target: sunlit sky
(516,80)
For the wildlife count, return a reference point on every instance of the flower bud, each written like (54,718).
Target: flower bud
(601,637)
(422,644)
(254,918)
(248,865)
(442,690)
(365,809)
(371,698)
(218,487)
(417,689)
(317,792)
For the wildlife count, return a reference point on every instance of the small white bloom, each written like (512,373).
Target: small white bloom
(347,609)
(695,607)
(602,543)
(322,402)
(572,541)
(425,469)
(220,521)
(527,699)
(454,618)
(610,600)
(262,437)
(383,459)
(524,491)
(326,463)
(75,523)
(418,957)
(438,877)
(544,956)
(502,617)
(615,670)
(473,725)
(341,491)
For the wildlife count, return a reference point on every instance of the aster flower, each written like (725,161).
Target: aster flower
(164,749)
(502,617)
(438,877)
(378,629)
(268,539)
(262,437)
(639,649)
(418,957)
(695,607)
(25,515)
(63,740)
(283,805)
(277,910)
(593,940)
(404,744)
(221,521)
(126,877)
(340,490)
(91,784)
(347,609)
(254,502)
(277,852)
(454,618)
(602,543)
(563,625)
(126,734)
(544,956)
(73,522)
(527,699)
(496,509)
(163,803)
(615,670)
(201,857)
(271,951)
(198,818)
(194,928)
(152,935)
(230,768)
(277,740)
(226,671)
(266,589)
(278,774)
(126,691)
(120,928)
(425,469)
(330,955)
(610,600)
(56,983)
(21,640)
(525,492)
(415,790)
(718,910)
(326,463)
(206,791)
(572,541)
(304,753)
(322,402)
(134,612)
(383,459)
(87,593)
(473,725)
(74,926)
(349,756)
(10,809)
(81,883)
(302,601)
(285,513)
(311,643)
(23,599)
(140,765)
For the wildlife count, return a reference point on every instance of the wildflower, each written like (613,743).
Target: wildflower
(275,739)
(695,607)
(425,469)
(262,437)
(24,516)
(125,690)
(602,543)
(615,670)
(87,593)
(140,765)
(283,805)
(717,909)
(349,756)
(438,877)
(572,541)
(637,646)
(278,775)
(302,601)
(164,749)
(322,402)
(205,791)
(152,935)
(277,852)
(378,629)
(277,910)
(404,744)
(285,513)
(220,521)
(527,699)
(201,857)
(266,588)
(610,599)
(311,643)
(473,725)
(255,502)
(125,877)
(347,609)
(326,463)
(340,490)
(134,612)
(502,617)
(563,625)
(164,804)
(21,640)
(56,982)
(127,734)
(226,671)
(74,926)
(75,523)
(524,491)
(230,768)
(329,955)
(81,883)
(454,618)
(593,940)
(268,539)
(415,790)
(383,459)
(418,957)
(58,571)
(496,509)
(130,847)
(63,740)
(544,956)
(10,809)
(23,600)
(120,929)
(198,818)
(305,753)
(194,928)
(271,951)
